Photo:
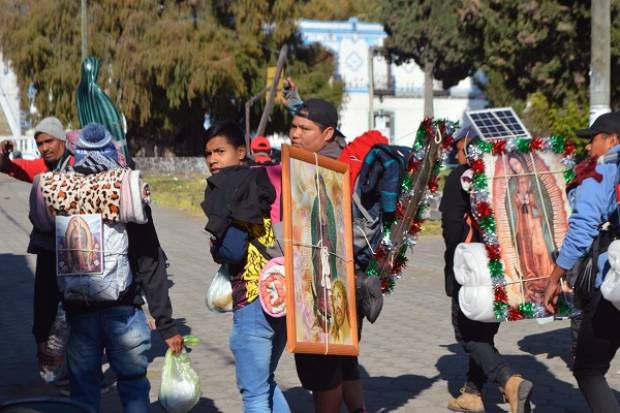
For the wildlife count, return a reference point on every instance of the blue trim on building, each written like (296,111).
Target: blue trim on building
(357,89)
(365,33)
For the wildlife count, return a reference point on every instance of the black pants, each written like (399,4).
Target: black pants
(598,341)
(46,295)
(478,341)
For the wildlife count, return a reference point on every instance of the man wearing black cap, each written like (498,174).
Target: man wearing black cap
(331,379)
(476,338)
(315,128)
(594,204)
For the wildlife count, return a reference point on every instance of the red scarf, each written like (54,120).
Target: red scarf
(584,170)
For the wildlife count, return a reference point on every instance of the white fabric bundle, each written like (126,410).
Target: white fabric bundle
(611,285)
(471,270)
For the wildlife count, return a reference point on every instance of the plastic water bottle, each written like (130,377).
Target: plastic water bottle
(55,346)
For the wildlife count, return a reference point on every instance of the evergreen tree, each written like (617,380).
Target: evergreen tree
(165,63)
(536,46)
(442,36)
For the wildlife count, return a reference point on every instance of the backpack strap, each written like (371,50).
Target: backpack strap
(358,204)
(277,250)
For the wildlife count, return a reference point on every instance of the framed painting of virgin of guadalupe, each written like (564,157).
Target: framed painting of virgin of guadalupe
(318,250)
(519,200)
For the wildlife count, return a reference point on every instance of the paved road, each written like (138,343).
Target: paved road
(409,360)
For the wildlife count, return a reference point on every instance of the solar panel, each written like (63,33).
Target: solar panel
(497,123)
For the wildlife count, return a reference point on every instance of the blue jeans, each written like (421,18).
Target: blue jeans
(123,333)
(257,341)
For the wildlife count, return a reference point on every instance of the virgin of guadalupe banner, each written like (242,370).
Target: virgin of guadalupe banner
(320,280)
(519,200)
(79,241)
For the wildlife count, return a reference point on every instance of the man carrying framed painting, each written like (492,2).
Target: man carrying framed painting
(594,204)
(331,378)
(476,338)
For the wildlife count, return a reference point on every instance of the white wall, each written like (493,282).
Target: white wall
(350,41)
(408,113)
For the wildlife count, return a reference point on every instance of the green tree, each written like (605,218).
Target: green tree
(537,59)
(543,118)
(368,10)
(443,37)
(536,46)
(164,63)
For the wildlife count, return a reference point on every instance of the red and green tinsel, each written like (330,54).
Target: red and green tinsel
(485,216)
(429,130)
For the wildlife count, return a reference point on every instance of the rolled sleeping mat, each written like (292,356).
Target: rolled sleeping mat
(471,270)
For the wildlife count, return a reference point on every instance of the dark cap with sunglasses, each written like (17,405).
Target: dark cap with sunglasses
(606,123)
(322,112)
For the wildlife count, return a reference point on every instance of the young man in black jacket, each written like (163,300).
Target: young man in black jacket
(477,338)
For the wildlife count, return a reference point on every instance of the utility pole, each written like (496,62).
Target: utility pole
(428,89)
(272,92)
(600,60)
(84,18)
(371,88)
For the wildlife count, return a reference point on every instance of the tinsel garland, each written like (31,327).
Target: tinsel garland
(430,130)
(483,212)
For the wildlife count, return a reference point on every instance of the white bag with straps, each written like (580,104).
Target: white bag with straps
(611,285)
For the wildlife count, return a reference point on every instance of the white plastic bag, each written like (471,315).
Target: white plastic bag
(219,294)
(611,285)
(179,390)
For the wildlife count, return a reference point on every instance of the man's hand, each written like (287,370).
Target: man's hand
(290,91)
(46,359)
(175,343)
(552,291)
(6,147)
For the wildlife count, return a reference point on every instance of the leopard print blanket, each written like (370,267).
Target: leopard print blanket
(118,195)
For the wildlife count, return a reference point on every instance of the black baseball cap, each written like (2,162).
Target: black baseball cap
(606,123)
(320,111)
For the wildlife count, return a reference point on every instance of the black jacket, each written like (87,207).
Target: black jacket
(237,193)
(455,206)
(148,266)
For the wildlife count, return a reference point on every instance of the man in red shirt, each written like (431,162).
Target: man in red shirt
(51,142)
(50,137)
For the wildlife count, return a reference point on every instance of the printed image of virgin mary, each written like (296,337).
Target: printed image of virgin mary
(528,202)
(325,242)
(80,244)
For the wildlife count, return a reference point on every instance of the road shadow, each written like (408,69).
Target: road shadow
(204,405)
(552,344)
(381,393)
(549,390)
(18,365)
(386,394)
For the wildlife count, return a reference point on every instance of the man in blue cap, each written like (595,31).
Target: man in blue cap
(476,338)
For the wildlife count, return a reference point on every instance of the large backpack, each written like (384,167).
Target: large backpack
(88,214)
(375,198)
